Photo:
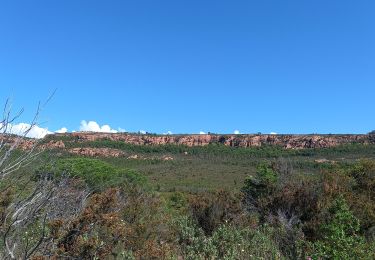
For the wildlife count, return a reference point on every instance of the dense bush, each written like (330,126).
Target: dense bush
(316,208)
(95,233)
(114,224)
(226,242)
(258,188)
(282,212)
(97,174)
(211,210)
(339,235)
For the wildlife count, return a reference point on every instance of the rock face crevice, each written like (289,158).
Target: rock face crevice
(251,140)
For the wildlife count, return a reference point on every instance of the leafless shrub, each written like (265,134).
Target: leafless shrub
(284,168)
(24,215)
(21,214)
(24,231)
(9,142)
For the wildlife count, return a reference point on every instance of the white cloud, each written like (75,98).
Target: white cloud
(168,133)
(93,126)
(121,130)
(236,132)
(143,132)
(62,130)
(202,133)
(273,133)
(25,129)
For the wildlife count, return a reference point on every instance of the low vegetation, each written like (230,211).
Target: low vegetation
(211,202)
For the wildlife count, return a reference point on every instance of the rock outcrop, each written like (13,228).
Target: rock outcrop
(251,140)
(97,152)
(59,141)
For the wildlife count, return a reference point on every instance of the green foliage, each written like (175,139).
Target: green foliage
(177,201)
(307,208)
(262,184)
(227,242)
(235,243)
(217,166)
(127,255)
(192,240)
(340,235)
(96,173)
(266,175)
(364,175)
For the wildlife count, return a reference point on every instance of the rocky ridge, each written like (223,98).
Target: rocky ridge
(61,141)
(250,140)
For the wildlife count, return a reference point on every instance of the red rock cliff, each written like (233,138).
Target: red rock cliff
(286,141)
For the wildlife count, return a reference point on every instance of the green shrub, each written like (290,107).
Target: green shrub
(257,189)
(97,174)
(340,237)
(177,201)
(234,243)
(262,183)
(364,175)
(227,242)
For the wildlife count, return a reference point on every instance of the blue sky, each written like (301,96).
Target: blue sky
(191,66)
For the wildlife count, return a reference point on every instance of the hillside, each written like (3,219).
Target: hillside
(206,162)
(196,162)
(166,197)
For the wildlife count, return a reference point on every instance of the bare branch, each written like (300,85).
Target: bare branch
(16,151)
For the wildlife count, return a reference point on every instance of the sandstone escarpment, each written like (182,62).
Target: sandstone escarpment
(251,140)
(59,141)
